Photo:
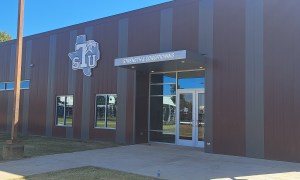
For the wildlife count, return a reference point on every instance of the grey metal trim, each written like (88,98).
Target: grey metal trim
(206,16)
(12,63)
(122,102)
(159,57)
(122,82)
(166,30)
(11,93)
(28,60)
(254,79)
(27,73)
(50,114)
(71,79)
(123,38)
(72,73)
(86,98)
(134,109)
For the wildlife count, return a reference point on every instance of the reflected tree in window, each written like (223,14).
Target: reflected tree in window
(106,111)
(64,110)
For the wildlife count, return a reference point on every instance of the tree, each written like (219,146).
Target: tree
(5,37)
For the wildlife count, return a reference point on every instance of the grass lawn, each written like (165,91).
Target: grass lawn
(38,145)
(87,173)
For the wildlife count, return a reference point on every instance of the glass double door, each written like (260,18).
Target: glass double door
(190,117)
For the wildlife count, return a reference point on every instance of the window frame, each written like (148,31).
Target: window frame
(95,114)
(56,117)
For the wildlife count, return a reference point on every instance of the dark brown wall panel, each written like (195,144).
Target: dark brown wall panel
(185,26)
(62,66)
(144,34)
(5,53)
(3,110)
(38,86)
(104,80)
(229,77)
(103,134)
(282,82)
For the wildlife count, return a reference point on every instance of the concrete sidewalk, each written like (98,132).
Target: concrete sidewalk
(173,162)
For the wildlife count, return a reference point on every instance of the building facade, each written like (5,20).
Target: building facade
(221,75)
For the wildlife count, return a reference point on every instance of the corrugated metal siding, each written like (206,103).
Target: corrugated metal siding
(282,82)
(229,77)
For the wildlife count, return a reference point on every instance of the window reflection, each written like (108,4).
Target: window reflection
(106,111)
(163,88)
(2,86)
(191,79)
(163,118)
(25,84)
(166,89)
(10,86)
(201,116)
(163,78)
(64,110)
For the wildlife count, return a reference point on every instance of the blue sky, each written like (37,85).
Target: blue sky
(45,15)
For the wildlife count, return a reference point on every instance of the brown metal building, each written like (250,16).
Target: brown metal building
(165,74)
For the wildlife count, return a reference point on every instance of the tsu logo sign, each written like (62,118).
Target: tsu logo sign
(86,55)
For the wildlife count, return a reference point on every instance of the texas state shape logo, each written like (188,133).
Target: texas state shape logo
(86,55)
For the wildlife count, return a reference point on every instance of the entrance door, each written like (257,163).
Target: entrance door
(190,117)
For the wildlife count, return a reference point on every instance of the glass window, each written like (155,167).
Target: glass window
(106,111)
(163,78)
(163,118)
(64,110)
(2,86)
(191,79)
(165,89)
(25,84)
(10,86)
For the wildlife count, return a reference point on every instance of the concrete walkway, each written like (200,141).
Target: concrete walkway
(174,162)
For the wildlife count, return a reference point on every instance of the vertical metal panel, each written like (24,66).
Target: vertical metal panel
(130,106)
(281,79)
(123,38)
(185,26)
(5,53)
(166,29)
(122,82)
(142,103)
(11,93)
(38,86)
(206,18)
(51,100)
(229,77)
(140,31)
(254,79)
(104,80)
(12,62)
(71,80)
(86,97)
(27,70)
